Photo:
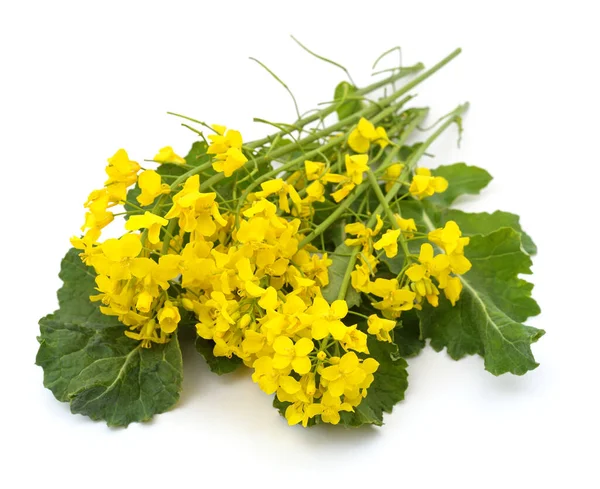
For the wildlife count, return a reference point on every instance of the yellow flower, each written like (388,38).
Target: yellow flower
(215,315)
(380,327)
(147,334)
(151,187)
(98,217)
(167,155)
(453,289)
(226,146)
(229,162)
(120,252)
(345,375)
(354,340)
(282,189)
(195,210)
(356,165)
(406,225)
(168,317)
(287,353)
(392,174)
(121,169)
(265,375)
(149,221)
(395,300)
(223,140)
(326,318)
(253,341)
(315,192)
(331,407)
(449,238)
(313,169)
(364,134)
(419,274)
(363,234)
(343,192)
(389,242)
(360,277)
(302,412)
(424,185)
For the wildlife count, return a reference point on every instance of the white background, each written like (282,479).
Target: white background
(81,79)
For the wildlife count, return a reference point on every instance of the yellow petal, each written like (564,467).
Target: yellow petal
(301,365)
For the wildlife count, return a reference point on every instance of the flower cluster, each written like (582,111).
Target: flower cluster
(251,283)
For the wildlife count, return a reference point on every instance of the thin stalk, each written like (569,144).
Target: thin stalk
(366,112)
(290,164)
(329,110)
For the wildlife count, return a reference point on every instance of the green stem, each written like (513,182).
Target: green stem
(290,164)
(384,203)
(347,202)
(366,112)
(329,110)
(168,232)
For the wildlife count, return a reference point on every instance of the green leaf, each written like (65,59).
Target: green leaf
(391,380)
(218,365)
(89,362)
(494,302)
(197,155)
(344,92)
(337,270)
(471,223)
(462,179)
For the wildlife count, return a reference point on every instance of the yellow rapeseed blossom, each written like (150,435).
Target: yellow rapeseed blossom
(392,174)
(425,185)
(149,221)
(151,187)
(363,234)
(226,145)
(380,327)
(167,155)
(389,242)
(168,317)
(364,134)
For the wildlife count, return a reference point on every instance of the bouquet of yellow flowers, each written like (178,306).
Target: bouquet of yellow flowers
(321,257)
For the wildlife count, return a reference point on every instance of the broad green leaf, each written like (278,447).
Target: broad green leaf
(197,155)
(337,270)
(462,179)
(89,362)
(345,92)
(487,319)
(218,365)
(391,380)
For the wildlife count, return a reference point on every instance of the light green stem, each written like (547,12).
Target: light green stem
(366,112)
(300,123)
